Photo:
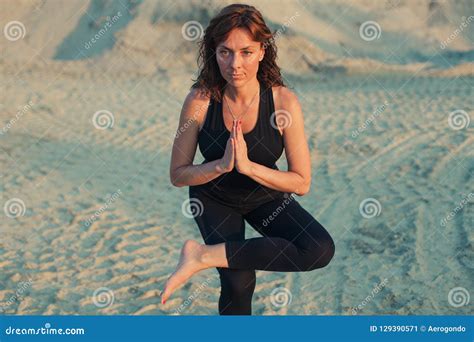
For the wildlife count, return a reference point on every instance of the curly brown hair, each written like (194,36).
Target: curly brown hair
(233,16)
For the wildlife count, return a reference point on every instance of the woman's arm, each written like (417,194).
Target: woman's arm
(196,174)
(182,170)
(298,177)
(287,181)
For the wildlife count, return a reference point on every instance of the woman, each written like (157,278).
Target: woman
(242,135)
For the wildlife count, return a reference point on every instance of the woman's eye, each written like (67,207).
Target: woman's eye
(247,53)
(224,52)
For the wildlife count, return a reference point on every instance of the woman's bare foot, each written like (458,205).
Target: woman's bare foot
(190,262)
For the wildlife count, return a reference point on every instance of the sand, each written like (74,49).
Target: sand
(99,226)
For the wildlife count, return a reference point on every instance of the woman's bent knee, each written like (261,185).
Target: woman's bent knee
(320,256)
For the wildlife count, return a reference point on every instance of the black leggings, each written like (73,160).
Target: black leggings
(293,241)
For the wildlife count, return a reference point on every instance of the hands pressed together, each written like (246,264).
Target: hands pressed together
(235,154)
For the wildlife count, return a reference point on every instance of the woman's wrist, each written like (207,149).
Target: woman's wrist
(250,170)
(220,166)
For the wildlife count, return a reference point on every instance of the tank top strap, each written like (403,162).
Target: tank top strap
(211,122)
(257,130)
(218,117)
(269,124)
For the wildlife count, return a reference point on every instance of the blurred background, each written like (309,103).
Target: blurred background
(90,97)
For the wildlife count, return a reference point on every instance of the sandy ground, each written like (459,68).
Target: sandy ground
(91,224)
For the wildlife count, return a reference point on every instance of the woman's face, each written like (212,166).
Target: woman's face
(238,57)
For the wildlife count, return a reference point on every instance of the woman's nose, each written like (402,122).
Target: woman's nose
(236,61)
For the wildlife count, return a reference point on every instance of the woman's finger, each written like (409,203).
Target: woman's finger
(237,132)
(233,129)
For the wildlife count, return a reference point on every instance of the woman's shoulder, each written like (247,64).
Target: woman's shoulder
(196,104)
(284,98)
(196,98)
(197,95)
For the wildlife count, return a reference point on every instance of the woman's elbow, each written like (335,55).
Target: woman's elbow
(176,183)
(304,188)
(174,180)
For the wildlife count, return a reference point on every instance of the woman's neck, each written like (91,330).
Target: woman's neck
(244,94)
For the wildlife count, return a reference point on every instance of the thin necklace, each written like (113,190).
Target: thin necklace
(231,113)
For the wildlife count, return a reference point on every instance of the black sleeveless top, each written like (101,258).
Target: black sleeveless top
(264,146)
